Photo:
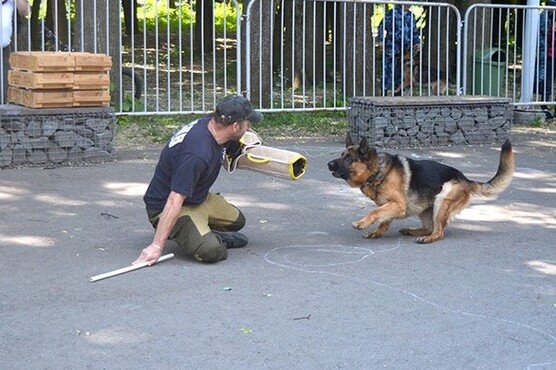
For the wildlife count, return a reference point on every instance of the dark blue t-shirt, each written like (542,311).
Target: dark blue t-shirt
(189,165)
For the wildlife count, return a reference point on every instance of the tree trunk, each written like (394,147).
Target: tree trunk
(354,47)
(36,41)
(262,15)
(130,16)
(314,26)
(293,41)
(439,39)
(56,20)
(204,27)
(303,36)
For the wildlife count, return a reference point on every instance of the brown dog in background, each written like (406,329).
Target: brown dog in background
(402,187)
(434,81)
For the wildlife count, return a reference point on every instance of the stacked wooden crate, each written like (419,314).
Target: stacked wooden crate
(59,79)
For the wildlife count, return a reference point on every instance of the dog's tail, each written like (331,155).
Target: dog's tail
(503,176)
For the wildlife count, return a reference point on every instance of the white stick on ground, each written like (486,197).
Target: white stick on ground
(128,269)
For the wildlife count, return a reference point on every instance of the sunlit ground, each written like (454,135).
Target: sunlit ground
(127,189)
(520,213)
(27,241)
(110,336)
(543,267)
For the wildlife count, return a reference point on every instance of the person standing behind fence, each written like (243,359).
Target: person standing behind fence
(7,17)
(398,36)
(547,56)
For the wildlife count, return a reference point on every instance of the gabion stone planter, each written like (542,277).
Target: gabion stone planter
(55,136)
(403,121)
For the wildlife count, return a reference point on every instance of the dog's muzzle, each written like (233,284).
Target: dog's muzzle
(334,167)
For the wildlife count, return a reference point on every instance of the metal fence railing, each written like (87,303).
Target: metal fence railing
(319,54)
(168,56)
(510,56)
(182,56)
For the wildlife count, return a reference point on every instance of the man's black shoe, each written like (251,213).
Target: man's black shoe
(232,239)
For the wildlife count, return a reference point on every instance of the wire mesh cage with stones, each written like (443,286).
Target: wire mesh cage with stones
(59,137)
(429,121)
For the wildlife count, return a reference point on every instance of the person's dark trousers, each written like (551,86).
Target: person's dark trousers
(392,73)
(546,89)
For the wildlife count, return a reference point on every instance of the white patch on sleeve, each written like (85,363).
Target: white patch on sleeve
(180,135)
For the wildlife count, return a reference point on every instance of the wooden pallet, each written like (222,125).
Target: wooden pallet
(58,61)
(92,62)
(91,81)
(58,98)
(40,80)
(40,98)
(42,61)
(91,98)
(59,80)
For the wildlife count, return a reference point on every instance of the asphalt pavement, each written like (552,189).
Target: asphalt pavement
(308,292)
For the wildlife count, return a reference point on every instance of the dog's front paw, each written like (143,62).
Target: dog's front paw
(372,235)
(358,225)
(424,240)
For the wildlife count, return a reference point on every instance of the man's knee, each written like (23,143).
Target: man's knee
(211,249)
(238,224)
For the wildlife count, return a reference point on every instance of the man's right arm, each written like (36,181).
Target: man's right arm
(166,223)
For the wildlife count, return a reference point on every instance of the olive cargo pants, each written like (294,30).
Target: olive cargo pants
(193,229)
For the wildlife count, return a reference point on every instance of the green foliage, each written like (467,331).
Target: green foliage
(537,122)
(379,13)
(224,13)
(131,104)
(225,16)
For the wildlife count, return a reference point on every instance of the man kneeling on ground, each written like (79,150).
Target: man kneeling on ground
(179,204)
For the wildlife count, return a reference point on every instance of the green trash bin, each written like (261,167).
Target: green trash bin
(489,72)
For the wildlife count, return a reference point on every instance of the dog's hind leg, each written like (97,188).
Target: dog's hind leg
(381,229)
(416,231)
(453,198)
(425,229)
(440,88)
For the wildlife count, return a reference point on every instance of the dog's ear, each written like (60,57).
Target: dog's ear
(349,140)
(365,151)
(363,143)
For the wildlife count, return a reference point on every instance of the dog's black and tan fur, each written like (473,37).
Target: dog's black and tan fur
(402,187)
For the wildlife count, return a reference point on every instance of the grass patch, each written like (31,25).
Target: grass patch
(148,130)
(156,130)
(302,124)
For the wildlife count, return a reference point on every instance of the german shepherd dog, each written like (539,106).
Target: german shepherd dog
(402,187)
